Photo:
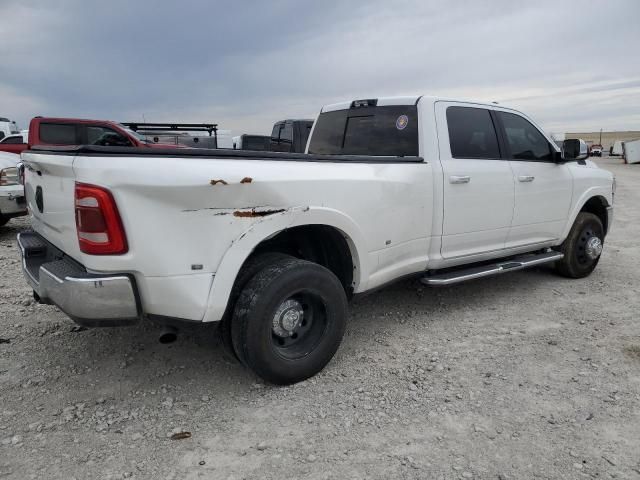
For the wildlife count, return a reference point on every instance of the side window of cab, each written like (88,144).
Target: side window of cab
(524,140)
(472,133)
(105,136)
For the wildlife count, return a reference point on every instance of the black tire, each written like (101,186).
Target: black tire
(247,272)
(318,302)
(3,220)
(576,262)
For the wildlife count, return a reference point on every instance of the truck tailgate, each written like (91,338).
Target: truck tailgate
(49,188)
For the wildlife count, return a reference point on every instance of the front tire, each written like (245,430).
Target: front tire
(289,321)
(582,248)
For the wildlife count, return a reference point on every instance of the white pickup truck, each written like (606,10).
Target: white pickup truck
(272,245)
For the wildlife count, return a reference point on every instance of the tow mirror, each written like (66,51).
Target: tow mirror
(574,149)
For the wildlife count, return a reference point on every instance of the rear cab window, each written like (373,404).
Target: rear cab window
(367,129)
(58,133)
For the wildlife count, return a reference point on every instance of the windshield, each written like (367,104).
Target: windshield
(379,131)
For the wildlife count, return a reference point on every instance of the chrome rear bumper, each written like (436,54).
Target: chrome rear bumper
(90,299)
(12,202)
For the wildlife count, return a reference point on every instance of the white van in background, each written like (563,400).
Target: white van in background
(7,127)
(617,149)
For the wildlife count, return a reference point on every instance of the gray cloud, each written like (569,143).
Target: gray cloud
(245,64)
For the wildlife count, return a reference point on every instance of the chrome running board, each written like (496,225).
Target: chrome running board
(516,263)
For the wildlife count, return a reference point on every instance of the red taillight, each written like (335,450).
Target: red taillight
(100,230)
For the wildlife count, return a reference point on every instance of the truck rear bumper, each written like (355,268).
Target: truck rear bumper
(12,202)
(92,300)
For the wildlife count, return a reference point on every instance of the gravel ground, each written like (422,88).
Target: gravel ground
(526,375)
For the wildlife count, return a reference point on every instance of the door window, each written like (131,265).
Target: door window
(472,133)
(286,134)
(14,140)
(275,133)
(282,137)
(97,135)
(525,141)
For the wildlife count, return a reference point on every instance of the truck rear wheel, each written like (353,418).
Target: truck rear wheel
(3,220)
(289,320)
(582,248)
(247,272)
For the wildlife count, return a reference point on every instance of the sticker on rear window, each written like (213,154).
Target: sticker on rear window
(401,122)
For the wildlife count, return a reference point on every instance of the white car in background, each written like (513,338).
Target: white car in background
(12,202)
(7,127)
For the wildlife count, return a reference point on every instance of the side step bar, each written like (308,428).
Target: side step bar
(516,263)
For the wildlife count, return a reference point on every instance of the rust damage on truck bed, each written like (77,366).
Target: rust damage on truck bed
(216,181)
(244,212)
(256,213)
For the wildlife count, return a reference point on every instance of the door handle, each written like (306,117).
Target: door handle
(459,179)
(526,178)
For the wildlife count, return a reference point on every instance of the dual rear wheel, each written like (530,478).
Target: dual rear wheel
(289,318)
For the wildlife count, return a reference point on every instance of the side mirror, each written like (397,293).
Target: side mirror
(574,149)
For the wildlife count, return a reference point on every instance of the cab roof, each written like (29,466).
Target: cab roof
(400,100)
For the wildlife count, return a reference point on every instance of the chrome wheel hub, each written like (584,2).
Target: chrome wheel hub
(593,248)
(287,318)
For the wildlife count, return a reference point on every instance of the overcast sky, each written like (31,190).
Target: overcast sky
(572,65)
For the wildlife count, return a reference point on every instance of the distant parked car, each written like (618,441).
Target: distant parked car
(596,150)
(7,127)
(12,203)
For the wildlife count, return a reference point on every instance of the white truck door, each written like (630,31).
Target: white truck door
(478,185)
(543,188)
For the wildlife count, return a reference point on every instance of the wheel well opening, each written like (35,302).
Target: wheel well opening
(597,206)
(320,244)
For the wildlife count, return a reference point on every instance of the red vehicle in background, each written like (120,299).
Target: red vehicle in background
(74,131)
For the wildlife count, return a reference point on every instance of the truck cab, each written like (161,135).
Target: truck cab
(290,135)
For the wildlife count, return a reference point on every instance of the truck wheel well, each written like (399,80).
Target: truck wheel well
(597,206)
(320,244)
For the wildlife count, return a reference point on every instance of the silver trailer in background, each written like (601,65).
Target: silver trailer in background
(252,142)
